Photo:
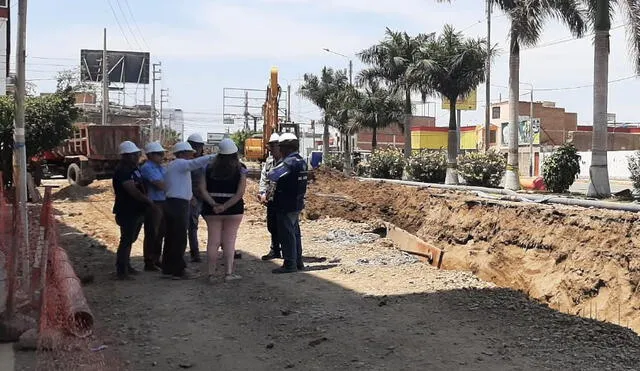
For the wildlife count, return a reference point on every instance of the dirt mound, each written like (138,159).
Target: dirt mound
(96,191)
(579,261)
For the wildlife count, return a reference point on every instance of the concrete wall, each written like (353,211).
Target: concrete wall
(615,141)
(616,162)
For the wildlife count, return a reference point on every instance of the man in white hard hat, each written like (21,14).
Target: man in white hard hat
(154,226)
(290,176)
(265,189)
(195,206)
(131,203)
(179,192)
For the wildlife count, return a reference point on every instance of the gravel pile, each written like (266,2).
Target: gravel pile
(394,258)
(348,237)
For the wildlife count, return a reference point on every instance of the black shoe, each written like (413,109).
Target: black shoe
(132,271)
(150,267)
(237,255)
(196,258)
(272,255)
(283,270)
(302,268)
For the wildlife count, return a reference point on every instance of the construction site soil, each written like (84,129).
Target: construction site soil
(580,261)
(362,303)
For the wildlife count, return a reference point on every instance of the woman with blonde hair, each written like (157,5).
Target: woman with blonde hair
(222,191)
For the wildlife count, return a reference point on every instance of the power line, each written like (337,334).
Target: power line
(113,11)
(126,2)
(571,87)
(566,40)
(126,21)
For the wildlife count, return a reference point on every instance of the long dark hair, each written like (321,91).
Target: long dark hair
(225,167)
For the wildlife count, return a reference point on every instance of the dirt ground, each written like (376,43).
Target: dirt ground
(362,305)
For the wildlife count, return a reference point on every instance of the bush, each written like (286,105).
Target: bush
(634,169)
(428,166)
(484,169)
(561,168)
(387,164)
(334,162)
(363,169)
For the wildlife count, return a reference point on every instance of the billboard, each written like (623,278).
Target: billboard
(524,136)
(124,67)
(215,138)
(469,103)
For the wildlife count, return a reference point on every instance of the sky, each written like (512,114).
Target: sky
(210,45)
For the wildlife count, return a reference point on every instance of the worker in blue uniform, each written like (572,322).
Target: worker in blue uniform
(290,177)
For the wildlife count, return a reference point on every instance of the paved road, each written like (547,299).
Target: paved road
(6,357)
(581,186)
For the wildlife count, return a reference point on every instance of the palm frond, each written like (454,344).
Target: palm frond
(631,10)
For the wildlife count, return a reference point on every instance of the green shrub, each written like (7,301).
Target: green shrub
(363,169)
(428,166)
(484,169)
(634,169)
(387,164)
(335,162)
(561,168)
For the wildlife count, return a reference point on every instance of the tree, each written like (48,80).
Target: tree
(390,61)
(452,66)
(319,91)
(71,79)
(48,122)
(600,13)
(341,111)
(377,107)
(239,138)
(527,19)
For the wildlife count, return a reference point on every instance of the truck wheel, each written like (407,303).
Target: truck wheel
(74,175)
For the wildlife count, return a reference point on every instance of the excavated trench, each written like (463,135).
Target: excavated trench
(580,261)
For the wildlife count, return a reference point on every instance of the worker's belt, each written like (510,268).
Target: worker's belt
(229,195)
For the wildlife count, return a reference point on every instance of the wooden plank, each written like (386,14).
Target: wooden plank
(411,244)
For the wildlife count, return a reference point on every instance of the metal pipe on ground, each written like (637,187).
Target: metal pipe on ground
(634,208)
(77,315)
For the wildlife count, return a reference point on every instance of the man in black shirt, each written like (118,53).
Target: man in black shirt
(130,205)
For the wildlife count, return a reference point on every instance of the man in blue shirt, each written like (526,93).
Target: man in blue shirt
(154,224)
(290,176)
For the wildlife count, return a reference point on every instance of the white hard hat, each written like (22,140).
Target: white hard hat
(227,147)
(195,138)
(287,137)
(154,147)
(274,138)
(128,147)
(182,147)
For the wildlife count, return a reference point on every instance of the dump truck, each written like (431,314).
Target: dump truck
(91,153)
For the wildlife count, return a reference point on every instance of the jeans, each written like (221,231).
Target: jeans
(176,213)
(130,226)
(154,232)
(290,238)
(272,227)
(194,216)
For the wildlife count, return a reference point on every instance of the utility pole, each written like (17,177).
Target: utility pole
(531,161)
(487,112)
(156,71)
(105,81)
(350,72)
(289,103)
(20,162)
(246,110)
(163,96)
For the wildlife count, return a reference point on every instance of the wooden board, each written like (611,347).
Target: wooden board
(407,242)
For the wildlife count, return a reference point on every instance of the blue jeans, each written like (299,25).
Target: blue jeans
(290,238)
(194,217)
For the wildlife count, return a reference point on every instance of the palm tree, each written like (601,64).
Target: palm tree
(600,13)
(453,66)
(377,107)
(527,21)
(320,90)
(389,61)
(341,111)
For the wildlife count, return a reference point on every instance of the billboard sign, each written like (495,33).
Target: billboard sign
(524,136)
(215,138)
(228,121)
(124,67)
(469,103)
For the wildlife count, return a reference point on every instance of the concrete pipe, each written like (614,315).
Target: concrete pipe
(78,319)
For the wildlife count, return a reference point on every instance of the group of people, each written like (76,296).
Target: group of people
(168,199)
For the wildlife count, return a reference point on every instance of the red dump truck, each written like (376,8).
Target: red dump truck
(91,153)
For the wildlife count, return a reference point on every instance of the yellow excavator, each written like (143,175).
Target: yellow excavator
(255,148)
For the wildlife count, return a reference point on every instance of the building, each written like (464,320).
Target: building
(551,127)
(432,137)
(621,137)
(391,136)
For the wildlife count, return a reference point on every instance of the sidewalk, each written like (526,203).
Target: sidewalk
(7,359)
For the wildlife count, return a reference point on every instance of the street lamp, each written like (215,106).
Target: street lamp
(350,63)
(531,161)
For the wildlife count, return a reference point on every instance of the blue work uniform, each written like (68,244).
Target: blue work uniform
(290,176)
